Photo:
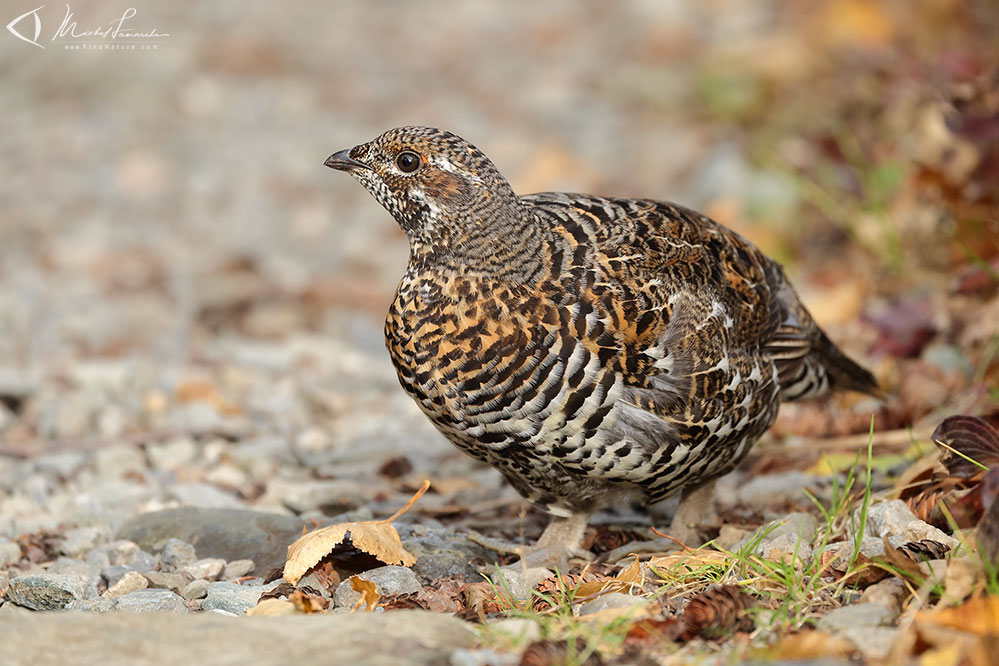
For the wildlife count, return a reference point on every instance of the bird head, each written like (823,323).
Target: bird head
(434,183)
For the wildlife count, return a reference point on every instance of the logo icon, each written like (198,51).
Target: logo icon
(38,27)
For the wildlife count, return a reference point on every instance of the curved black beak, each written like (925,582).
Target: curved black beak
(342,161)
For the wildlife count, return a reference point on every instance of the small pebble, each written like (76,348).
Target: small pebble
(132,581)
(209,568)
(10,553)
(177,554)
(150,601)
(610,600)
(238,569)
(167,581)
(233,598)
(196,589)
(81,540)
(856,615)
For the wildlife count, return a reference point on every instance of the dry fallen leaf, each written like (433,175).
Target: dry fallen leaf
(200,390)
(648,630)
(308,603)
(375,537)
(808,645)
(977,616)
(623,582)
(679,565)
(369,593)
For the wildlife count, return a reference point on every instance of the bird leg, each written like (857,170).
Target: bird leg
(559,542)
(696,509)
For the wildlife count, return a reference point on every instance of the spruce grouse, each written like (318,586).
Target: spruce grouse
(586,347)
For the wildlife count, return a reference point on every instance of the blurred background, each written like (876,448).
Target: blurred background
(175,261)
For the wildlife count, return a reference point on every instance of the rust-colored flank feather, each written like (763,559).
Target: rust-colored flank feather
(586,347)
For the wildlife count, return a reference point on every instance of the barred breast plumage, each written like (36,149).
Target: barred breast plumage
(586,347)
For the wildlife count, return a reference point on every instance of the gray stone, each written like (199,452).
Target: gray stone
(610,600)
(203,495)
(372,639)
(231,534)
(80,540)
(443,565)
(786,548)
(10,553)
(870,547)
(886,518)
(801,525)
(98,558)
(132,581)
(88,575)
(889,593)
(167,581)
(114,462)
(233,598)
(172,454)
(63,464)
(150,601)
(917,530)
(45,591)
(330,497)
(388,581)
(775,488)
(95,605)
(856,615)
(177,554)
(113,573)
(238,569)
(209,568)
(142,562)
(121,551)
(196,589)
(441,552)
(874,643)
(521,628)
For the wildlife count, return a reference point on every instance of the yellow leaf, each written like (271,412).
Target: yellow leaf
(368,591)
(375,537)
(677,565)
(949,654)
(632,575)
(808,645)
(978,616)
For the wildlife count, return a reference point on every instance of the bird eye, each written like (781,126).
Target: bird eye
(407,161)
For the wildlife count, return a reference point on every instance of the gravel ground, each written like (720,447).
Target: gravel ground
(191,360)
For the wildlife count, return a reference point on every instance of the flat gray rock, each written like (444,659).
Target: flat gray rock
(388,581)
(150,601)
(373,639)
(46,591)
(230,534)
(857,615)
(233,598)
